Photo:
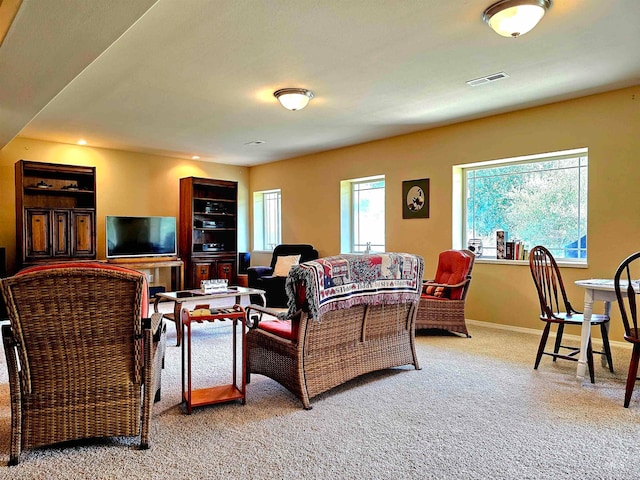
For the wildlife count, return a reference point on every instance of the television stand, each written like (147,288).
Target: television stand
(153,263)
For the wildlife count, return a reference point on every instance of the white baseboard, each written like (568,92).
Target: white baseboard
(533,331)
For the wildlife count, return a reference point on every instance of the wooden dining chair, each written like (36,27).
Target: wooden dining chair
(556,309)
(626,295)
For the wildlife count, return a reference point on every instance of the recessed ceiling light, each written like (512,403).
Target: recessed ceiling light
(82,142)
(195,157)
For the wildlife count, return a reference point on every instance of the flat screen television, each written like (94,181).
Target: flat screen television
(141,236)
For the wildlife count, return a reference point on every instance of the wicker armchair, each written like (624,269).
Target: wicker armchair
(80,355)
(443,298)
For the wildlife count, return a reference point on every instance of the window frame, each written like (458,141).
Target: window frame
(459,204)
(348,214)
(261,218)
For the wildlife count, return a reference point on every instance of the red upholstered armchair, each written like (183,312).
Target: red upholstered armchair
(443,298)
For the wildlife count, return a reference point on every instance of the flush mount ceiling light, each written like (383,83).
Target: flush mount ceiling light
(293,98)
(512,18)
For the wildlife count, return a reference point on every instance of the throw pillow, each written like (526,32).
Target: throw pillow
(284,264)
(435,291)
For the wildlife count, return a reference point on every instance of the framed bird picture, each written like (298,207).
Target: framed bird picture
(415,198)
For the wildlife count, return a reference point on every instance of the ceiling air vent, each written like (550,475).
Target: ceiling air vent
(489,78)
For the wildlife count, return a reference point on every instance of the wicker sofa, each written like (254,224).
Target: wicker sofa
(348,315)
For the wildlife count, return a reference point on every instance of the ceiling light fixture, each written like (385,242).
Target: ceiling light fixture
(293,98)
(512,18)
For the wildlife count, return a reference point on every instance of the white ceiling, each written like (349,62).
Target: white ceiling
(196,77)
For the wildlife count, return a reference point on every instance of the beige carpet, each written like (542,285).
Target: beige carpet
(476,410)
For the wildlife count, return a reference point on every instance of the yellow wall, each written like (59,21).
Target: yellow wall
(127,184)
(608,124)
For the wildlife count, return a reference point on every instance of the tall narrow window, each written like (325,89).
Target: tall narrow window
(536,200)
(362,215)
(267,227)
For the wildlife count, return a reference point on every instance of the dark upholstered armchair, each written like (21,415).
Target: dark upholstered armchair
(271,280)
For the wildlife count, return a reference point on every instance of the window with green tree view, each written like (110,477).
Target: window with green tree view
(537,200)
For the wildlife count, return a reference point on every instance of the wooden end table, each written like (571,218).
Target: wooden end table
(222,393)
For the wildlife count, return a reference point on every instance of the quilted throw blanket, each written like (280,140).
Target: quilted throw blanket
(332,283)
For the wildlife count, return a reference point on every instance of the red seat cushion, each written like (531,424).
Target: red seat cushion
(281,328)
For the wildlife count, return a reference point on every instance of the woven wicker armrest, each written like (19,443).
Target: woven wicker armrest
(431,283)
(254,319)
(156,322)
(7,333)
(9,341)
(153,323)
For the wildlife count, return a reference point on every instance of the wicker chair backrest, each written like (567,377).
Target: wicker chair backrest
(76,324)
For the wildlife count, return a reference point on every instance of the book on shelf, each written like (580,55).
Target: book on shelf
(509,250)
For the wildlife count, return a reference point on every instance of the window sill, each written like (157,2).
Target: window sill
(560,263)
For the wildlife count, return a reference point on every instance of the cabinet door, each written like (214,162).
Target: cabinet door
(38,233)
(83,240)
(201,271)
(61,232)
(225,270)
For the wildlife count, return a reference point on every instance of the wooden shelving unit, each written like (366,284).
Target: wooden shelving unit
(208,229)
(55,212)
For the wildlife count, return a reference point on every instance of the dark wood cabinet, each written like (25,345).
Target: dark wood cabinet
(83,233)
(208,229)
(38,231)
(206,270)
(61,233)
(55,212)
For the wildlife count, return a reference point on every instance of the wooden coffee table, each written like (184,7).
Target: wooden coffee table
(184,296)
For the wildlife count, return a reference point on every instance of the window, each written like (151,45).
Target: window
(362,215)
(536,200)
(266,220)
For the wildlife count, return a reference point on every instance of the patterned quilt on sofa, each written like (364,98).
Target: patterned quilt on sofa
(341,281)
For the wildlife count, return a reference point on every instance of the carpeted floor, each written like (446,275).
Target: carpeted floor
(476,410)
